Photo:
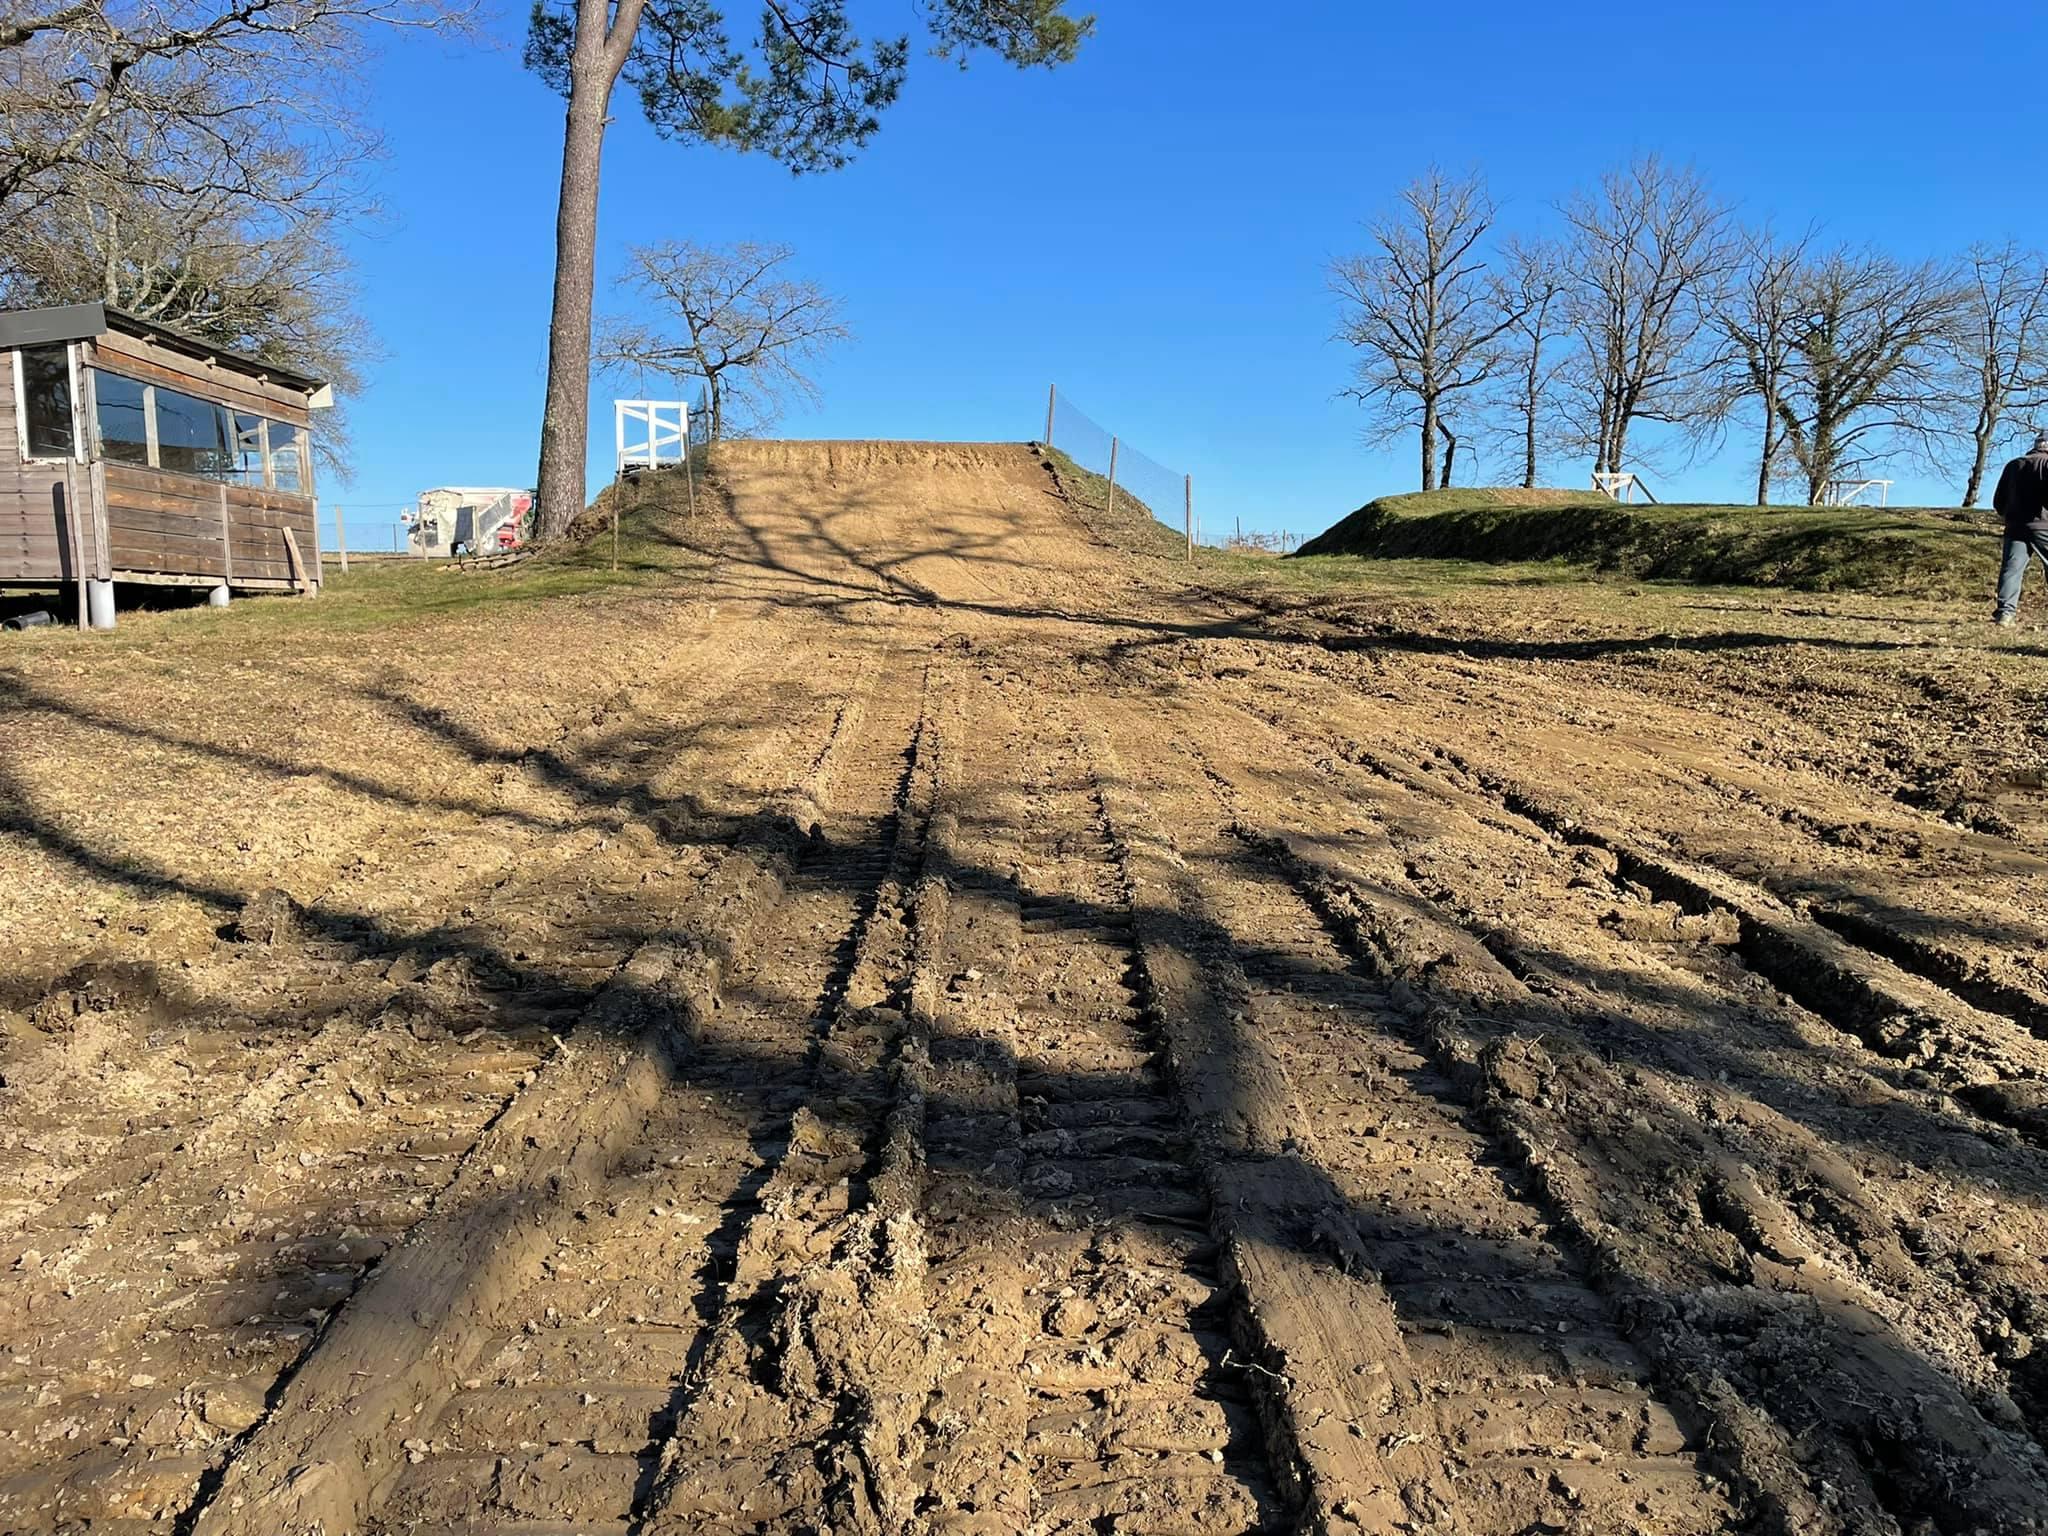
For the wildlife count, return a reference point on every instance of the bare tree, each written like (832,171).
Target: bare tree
(181,97)
(735,319)
(809,93)
(1868,374)
(260,274)
(1419,309)
(2002,345)
(1532,290)
(1646,254)
(1760,315)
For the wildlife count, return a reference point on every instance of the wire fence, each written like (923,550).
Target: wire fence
(1135,500)
(363,529)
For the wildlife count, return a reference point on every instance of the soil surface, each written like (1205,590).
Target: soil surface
(918,1019)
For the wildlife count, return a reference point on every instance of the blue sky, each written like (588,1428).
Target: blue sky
(1150,227)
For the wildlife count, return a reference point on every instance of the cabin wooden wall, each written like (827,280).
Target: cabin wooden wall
(34,543)
(138,523)
(174,525)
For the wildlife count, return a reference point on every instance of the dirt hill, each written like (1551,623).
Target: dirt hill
(891,1014)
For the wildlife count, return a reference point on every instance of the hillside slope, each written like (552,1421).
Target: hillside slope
(1884,550)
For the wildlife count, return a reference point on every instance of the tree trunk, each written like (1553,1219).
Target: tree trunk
(1450,454)
(1529,436)
(717,403)
(1763,468)
(1986,430)
(1975,488)
(1429,444)
(565,428)
(1617,452)
(1820,465)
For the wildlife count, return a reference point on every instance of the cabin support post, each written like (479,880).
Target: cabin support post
(102,563)
(99,604)
(77,544)
(227,551)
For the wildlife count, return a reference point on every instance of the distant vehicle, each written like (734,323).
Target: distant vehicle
(457,519)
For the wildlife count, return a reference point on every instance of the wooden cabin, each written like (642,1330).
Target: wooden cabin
(132,453)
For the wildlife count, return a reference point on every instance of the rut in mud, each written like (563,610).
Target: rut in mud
(934,1024)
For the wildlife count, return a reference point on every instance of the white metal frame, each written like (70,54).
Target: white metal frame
(665,436)
(1843,493)
(1619,485)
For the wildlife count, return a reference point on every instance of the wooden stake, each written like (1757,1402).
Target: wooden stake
(1112,474)
(291,548)
(341,540)
(690,481)
(1190,516)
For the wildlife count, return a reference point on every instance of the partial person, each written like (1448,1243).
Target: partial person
(2022,500)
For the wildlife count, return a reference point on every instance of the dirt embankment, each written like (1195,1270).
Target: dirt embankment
(899,1018)
(1897,551)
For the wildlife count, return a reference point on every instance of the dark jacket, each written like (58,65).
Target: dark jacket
(2022,495)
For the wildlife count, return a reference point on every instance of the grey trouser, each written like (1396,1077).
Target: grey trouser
(2021,545)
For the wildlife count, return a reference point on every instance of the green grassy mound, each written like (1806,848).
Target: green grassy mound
(1886,550)
(1130,524)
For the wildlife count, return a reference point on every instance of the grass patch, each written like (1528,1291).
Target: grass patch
(384,595)
(1887,551)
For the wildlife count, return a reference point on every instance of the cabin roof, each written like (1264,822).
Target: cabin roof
(80,322)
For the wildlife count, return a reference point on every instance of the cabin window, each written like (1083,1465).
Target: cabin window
(123,422)
(246,439)
(287,457)
(46,402)
(191,435)
(168,429)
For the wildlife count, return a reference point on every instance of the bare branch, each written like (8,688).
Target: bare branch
(1419,309)
(748,331)
(1648,252)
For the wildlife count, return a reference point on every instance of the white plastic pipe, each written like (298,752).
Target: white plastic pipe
(99,604)
(217,597)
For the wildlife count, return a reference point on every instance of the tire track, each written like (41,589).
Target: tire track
(1608,1145)
(567,1414)
(1432,1355)
(336,1438)
(784,1419)
(211,1273)
(1087,1381)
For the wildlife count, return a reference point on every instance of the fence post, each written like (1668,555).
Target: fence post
(1112,475)
(341,540)
(1052,400)
(1190,513)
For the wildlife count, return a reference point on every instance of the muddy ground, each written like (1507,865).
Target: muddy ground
(900,1016)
